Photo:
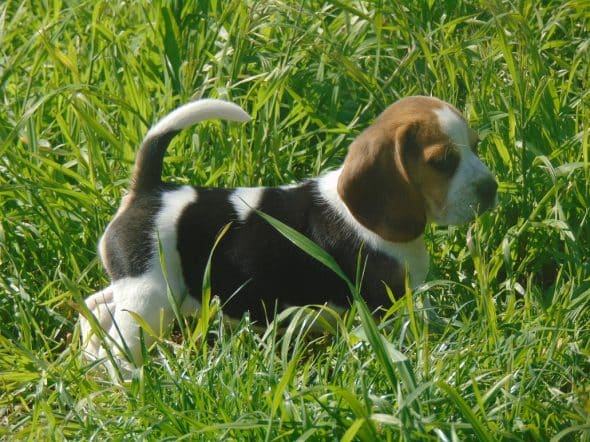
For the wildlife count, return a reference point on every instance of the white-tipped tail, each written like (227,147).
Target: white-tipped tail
(148,165)
(195,111)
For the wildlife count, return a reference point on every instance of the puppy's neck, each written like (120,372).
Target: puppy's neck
(412,253)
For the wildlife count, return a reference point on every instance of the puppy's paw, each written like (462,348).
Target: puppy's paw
(102,306)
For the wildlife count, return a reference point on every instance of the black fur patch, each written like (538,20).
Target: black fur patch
(275,271)
(129,238)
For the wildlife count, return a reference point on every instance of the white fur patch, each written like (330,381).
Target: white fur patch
(462,198)
(453,125)
(245,199)
(412,253)
(166,225)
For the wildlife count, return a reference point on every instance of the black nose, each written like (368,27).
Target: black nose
(486,191)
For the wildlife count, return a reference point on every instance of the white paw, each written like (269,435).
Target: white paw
(109,347)
(102,306)
(116,309)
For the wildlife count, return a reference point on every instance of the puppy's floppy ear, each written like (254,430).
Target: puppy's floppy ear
(376,187)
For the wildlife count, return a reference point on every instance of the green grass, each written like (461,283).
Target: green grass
(507,356)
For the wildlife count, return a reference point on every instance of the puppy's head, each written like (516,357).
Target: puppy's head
(416,163)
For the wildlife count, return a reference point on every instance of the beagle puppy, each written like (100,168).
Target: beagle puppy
(415,164)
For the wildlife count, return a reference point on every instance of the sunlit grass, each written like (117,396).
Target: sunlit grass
(504,351)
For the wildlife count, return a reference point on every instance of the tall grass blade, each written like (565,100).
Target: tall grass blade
(479,427)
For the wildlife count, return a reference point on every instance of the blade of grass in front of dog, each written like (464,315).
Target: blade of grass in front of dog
(174,303)
(279,393)
(203,325)
(394,364)
(306,245)
(389,357)
(366,430)
(353,430)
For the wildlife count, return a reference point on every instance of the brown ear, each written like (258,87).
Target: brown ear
(376,187)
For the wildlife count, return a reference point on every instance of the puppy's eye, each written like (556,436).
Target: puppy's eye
(446,162)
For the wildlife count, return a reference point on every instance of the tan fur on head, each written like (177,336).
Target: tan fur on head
(375,185)
(398,172)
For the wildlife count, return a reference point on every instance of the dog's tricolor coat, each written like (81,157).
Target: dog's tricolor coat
(415,163)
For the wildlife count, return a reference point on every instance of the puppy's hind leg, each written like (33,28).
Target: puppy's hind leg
(121,310)
(114,334)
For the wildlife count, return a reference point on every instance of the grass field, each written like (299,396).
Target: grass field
(505,354)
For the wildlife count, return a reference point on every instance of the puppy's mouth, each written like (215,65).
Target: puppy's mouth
(462,212)
(484,206)
(487,193)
